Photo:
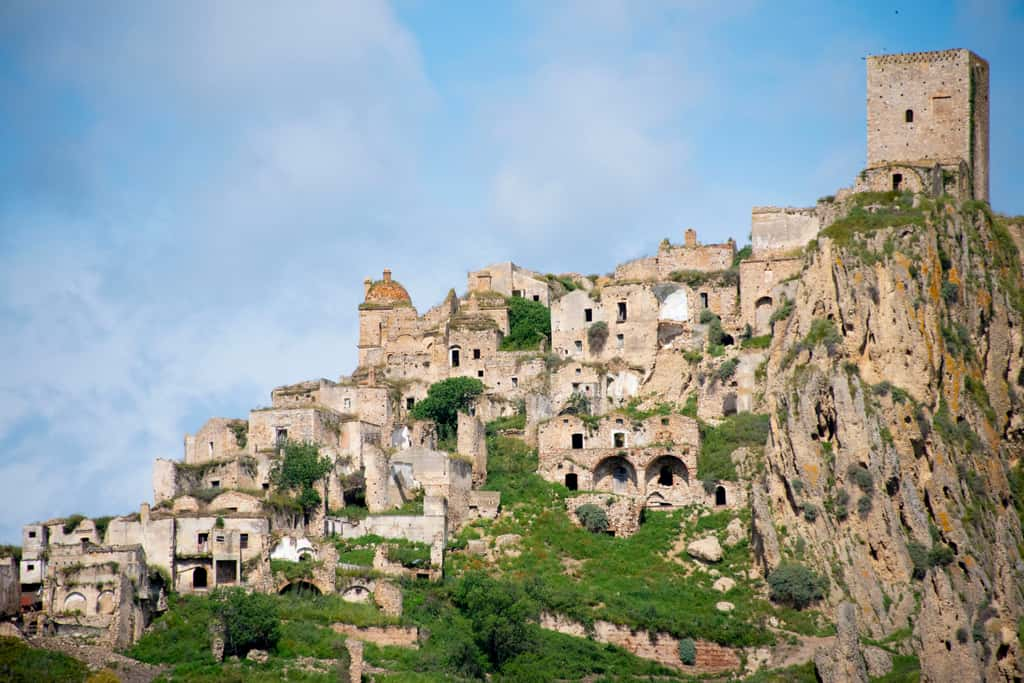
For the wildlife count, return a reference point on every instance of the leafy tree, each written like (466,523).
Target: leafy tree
(593,518)
(501,614)
(251,621)
(795,585)
(444,401)
(529,324)
(299,470)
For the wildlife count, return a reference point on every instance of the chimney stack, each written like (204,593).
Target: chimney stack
(387,275)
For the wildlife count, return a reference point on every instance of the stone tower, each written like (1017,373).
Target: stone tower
(929,108)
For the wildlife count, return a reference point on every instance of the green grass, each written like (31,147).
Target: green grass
(905,669)
(718,442)
(761,342)
(887,210)
(21,663)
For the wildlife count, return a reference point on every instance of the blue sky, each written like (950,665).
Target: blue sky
(191,193)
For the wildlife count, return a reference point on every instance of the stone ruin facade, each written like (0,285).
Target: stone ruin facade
(615,340)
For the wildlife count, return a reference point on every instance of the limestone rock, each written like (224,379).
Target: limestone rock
(476,546)
(706,549)
(258,656)
(506,540)
(878,661)
(734,533)
(843,662)
(724,606)
(10,631)
(724,584)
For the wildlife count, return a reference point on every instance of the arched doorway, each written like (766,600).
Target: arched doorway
(300,588)
(720,495)
(75,602)
(763,315)
(454,356)
(199,577)
(572,481)
(615,474)
(729,405)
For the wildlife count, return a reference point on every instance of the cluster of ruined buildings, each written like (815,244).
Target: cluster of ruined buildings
(615,340)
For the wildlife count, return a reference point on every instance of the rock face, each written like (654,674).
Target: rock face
(844,662)
(894,390)
(707,549)
(724,584)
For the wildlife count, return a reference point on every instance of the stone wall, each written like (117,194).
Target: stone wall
(777,230)
(319,425)
(411,527)
(658,647)
(623,511)
(215,440)
(10,587)
(929,106)
(472,443)
(397,636)
(507,278)
(761,288)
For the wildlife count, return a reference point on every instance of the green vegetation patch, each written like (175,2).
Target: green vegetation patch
(718,442)
(444,401)
(21,662)
(301,468)
(529,324)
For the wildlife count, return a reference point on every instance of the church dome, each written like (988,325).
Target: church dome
(386,291)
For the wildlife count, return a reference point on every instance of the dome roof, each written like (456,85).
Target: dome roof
(387,291)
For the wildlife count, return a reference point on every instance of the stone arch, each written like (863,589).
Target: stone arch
(200,577)
(105,603)
(615,474)
(356,593)
(75,602)
(300,587)
(668,476)
(763,315)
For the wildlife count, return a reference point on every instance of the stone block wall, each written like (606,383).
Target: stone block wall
(319,425)
(623,511)
(776,230)
(472,443)
(215,440)
(760,293)
(10,587)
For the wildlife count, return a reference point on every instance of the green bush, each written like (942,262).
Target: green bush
(861,477)
(529,324)
(762,342)
(593,518)
(687,651)
(597,335)
(71,523)
(783,311)
(950,292)
(810,512)
(940,555)
(727,369)
(919,558)
(823,332)
(795,585)
(501,615)
(706,316)
(250,620)
(301,468)
(444,401)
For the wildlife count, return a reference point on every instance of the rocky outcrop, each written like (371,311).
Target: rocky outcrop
(843,663)
(706,549)
(896,419)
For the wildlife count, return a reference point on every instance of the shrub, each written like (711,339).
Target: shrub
(718,443)
(823,332)
(919,558)
(864,505)
(597,335)
(72,522)
(299,470)
(593,518)
(940,555)
(706,316)
(687,651)
(444,401)
(500,613)
(950,292)
(861,477)
(529,324)
(810,512)
(795,585)
(250,621)
(727,369)
(842,504)
(782,312)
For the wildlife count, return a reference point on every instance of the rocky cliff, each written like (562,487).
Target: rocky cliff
(893,388)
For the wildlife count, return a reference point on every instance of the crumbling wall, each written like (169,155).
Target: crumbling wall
(10,587)
(472,443)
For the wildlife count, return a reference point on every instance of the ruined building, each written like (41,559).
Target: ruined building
(612,399)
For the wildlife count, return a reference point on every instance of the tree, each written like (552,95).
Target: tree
(250,620)
(444,401)
(299,470)
(795,585)
(501,614)
(529,324)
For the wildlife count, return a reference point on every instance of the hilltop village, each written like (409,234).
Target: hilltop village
(617,395)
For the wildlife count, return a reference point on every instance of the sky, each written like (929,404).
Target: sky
(191,193)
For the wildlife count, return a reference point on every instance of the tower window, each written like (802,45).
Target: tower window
(476,354)
(622,312)
(588,314)
(909,116)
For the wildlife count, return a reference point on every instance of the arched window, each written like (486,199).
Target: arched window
(720,495)
(665,476)
(454,356)
(909,116)
(199,578)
